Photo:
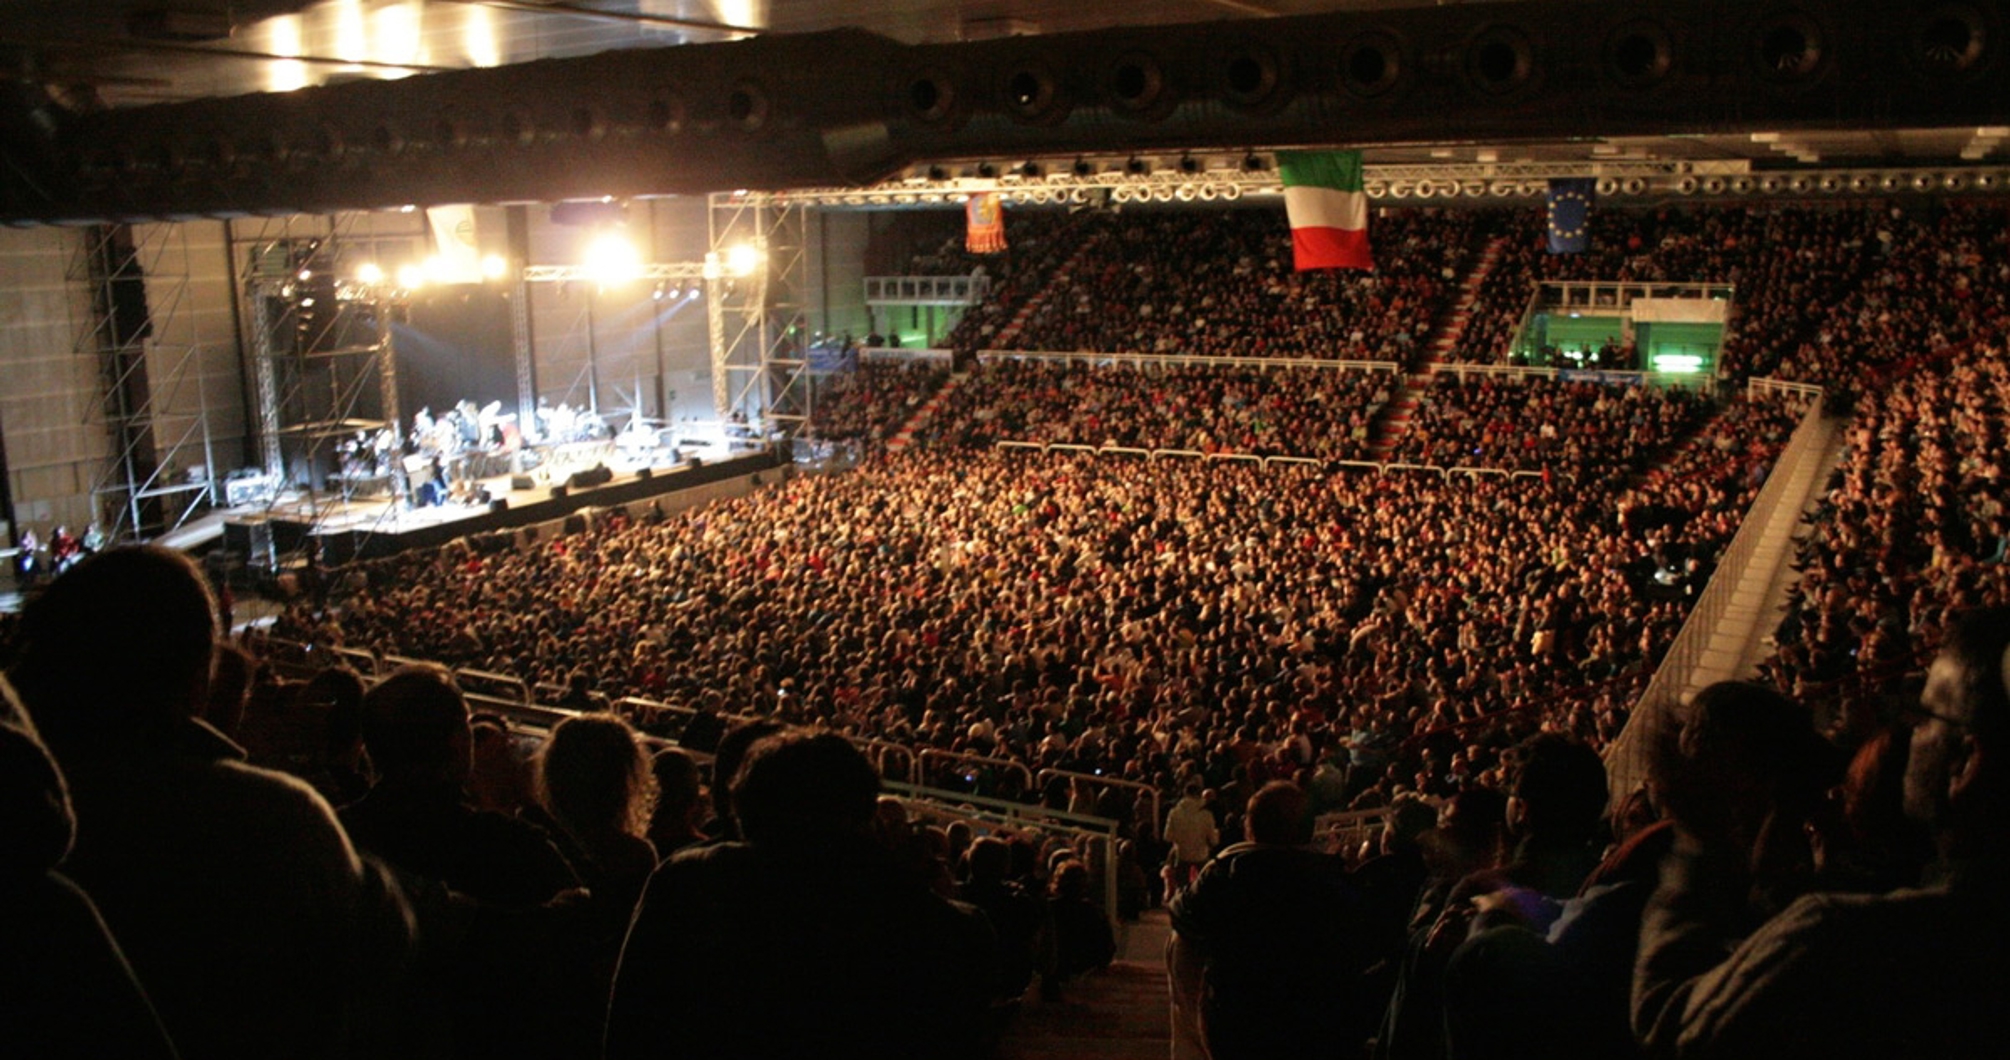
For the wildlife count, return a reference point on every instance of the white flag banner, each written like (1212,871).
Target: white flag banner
(457,257)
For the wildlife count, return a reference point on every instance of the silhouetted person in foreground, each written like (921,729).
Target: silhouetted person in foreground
(1918,973)
(246,913)
(804,939)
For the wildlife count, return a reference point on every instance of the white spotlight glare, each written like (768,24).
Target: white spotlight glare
(411,277)
(369,273)
(743,258)
(494,266)
(611,259)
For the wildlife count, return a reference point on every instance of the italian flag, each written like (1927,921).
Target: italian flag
(1327,208)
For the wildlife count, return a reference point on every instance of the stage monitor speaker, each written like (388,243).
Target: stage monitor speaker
(522,482)
(558,493)
(645,472)
(337,548)
(289,535)
(587,478)
(499,505)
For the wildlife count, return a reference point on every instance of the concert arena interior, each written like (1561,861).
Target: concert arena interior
(1026,530)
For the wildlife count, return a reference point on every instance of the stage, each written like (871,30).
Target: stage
(266,535)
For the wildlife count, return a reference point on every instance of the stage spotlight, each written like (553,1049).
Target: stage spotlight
(611,259)
(494,266)
(657,294)
(742,259)
(411,277)
(692,293)
(369,273)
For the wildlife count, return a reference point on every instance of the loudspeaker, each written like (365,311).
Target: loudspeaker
(499,505)
(289,535)
(597,475)
(645,472)
(522,482)
(558,493)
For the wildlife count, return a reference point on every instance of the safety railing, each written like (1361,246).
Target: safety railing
(1759,386)
(1100,781)
(1187,360)
(1655,711)
(1000,815)
(1266,461)
(972,766)
(885,754)
(662,720)
(498,686)
(1344,831)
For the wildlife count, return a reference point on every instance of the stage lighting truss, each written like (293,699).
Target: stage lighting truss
(1227,177)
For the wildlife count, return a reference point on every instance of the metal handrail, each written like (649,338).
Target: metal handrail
(936,754)
(479,679)
(1151,792)
(1182,359)
(1653,710)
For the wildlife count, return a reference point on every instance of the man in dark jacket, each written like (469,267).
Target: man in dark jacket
(1274,926)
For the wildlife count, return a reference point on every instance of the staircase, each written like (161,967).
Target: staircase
(1121,1013)
(1010,332)
(904,437)
(1392,419)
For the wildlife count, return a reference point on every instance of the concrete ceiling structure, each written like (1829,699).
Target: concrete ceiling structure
(162,108)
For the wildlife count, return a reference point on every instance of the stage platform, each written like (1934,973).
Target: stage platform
(266,534)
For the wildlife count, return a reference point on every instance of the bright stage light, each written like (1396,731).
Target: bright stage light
(411,277)
(494,266)
(611,259)
(744,258)
(369,273)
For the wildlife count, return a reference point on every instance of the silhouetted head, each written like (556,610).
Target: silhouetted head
(120,644)
(415,726)
(1279,814)
(594,777)
(804,787)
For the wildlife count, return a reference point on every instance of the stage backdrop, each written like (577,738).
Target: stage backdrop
(456,346)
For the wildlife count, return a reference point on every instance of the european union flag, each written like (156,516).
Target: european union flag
(1570,214)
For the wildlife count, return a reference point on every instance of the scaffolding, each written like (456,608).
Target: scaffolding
(756,278)
(141,330)
(320,350)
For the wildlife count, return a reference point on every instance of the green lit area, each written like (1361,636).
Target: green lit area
(1565,340)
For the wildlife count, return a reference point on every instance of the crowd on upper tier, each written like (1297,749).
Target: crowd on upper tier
(1540,423)
(1913,530)
(1311,412)
(873,400)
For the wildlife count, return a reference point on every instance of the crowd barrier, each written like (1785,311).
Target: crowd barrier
(1097,780)
(1253,458)
(1141,360)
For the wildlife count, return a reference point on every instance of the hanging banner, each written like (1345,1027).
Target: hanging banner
(984,215)
(457,257)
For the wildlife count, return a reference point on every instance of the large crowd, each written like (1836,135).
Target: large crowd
(1261,643)
(1913,531)
(872,400)
(1322,413)
(1538,423)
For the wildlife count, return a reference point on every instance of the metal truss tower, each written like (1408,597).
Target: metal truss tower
(756,286)
(142,329)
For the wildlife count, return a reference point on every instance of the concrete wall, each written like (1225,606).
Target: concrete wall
(56,442)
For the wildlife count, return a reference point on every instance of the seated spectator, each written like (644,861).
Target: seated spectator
(594,781)
(805,938)
(233,890)
(1083,941)
(1021,920)
(418,817)
(680,804)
